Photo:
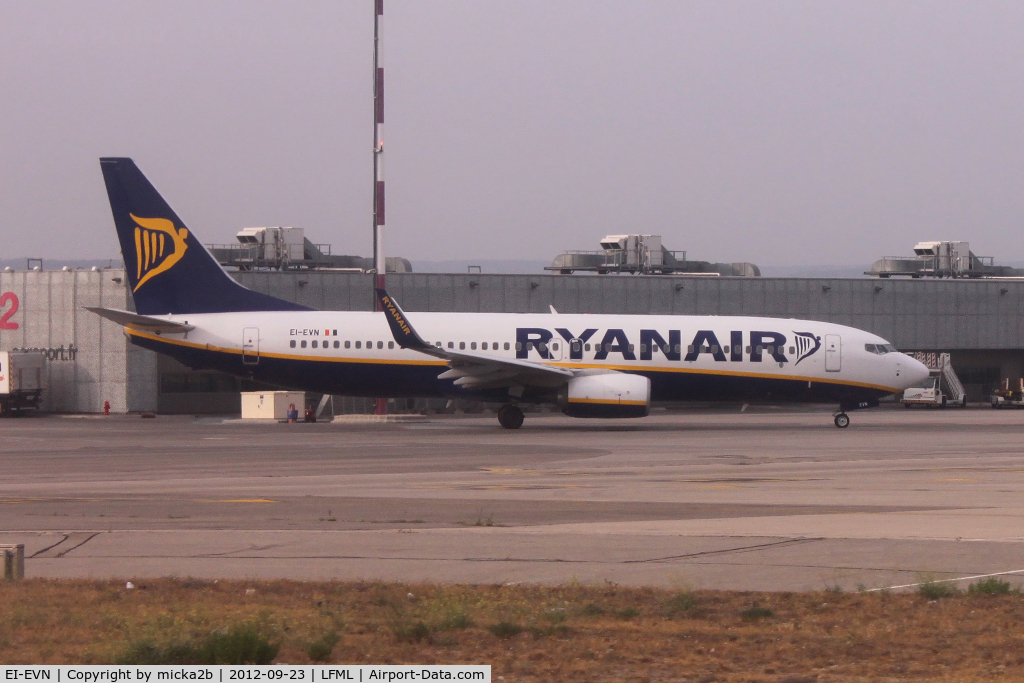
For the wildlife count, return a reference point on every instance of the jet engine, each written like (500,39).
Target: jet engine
(608,394)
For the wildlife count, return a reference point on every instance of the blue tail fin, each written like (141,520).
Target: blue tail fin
(168,270)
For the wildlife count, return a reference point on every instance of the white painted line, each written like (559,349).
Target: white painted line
(962,578)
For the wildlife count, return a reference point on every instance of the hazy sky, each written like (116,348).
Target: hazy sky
(773,132)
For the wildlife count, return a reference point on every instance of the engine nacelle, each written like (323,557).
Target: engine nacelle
(612,394)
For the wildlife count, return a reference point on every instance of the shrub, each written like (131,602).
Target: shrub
(591,610)
(320,649)
(936,590)
(627,613)
(993,585)
(505,629)
(755,613)
(680,603)
(237,645)
(455,621)
(411,633)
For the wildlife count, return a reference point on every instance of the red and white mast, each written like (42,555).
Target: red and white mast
(378,152)
(379,265)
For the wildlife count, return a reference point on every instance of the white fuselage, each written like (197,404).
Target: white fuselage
(670,349)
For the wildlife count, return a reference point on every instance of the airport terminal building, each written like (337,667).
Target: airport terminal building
(980,321)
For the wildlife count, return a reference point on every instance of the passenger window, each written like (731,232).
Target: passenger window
(380,345)
(689,348)
(314,343)
(771,350)
(519,346)
(506,346)
(542,347)
(292,343)
(462,346)
(586,347)
(348,345)
(630,348)
(472,346)
(494,345)
(760,349)
(554,346)
(303,343)
(529,346)
(714,349)
(643,348)
(748,349)
(391,344)
(483,347)
(451,345)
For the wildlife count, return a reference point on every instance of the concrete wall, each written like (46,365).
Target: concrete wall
(50,316)
(926,315)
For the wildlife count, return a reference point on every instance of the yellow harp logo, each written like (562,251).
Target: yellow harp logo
(158,246)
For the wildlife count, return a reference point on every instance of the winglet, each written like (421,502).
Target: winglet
(401,329)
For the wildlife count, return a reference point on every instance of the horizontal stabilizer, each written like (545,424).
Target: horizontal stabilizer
(127,318)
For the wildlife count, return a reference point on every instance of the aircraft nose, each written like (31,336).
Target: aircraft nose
(912,371)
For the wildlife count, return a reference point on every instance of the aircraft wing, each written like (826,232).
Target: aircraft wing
(471,370)
(146,322)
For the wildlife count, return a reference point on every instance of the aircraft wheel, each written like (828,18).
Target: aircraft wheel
(510,417)
(842,420)
(963,402)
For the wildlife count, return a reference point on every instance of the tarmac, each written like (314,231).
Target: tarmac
(764,499)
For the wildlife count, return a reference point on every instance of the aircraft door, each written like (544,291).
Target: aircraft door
(833,353)
(575,350)
(251,345)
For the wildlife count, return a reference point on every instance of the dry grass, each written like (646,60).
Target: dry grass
(536,633)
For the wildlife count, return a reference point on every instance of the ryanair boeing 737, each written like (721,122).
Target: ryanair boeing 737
(189,308)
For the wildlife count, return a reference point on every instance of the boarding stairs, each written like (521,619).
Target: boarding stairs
(950,383)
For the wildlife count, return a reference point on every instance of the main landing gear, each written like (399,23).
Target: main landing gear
(510,416)
(842,420)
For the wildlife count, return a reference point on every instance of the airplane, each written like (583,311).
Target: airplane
(594,365)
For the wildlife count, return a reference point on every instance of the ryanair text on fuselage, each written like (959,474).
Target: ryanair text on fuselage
(759,343)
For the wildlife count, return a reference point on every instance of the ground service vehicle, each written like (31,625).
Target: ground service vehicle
(22,375)
(1005,397)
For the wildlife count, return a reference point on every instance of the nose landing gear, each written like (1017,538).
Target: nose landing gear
(840,417)
(510,416)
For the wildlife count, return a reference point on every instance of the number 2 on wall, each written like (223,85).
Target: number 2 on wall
(5,319)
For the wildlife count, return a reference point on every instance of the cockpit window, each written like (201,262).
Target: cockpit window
(880,349)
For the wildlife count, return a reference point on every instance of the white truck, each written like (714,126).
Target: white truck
(942,387)
(22,377)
